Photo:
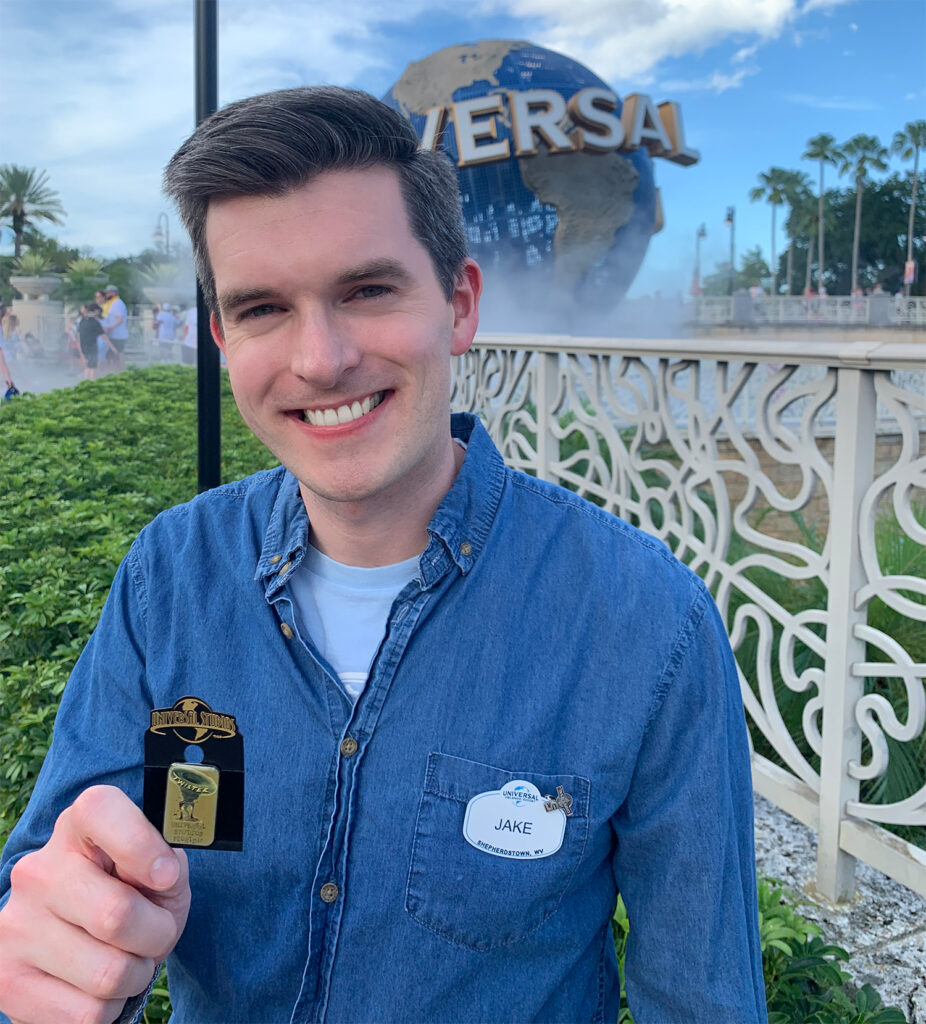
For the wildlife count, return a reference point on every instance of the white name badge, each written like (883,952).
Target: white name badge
(512,822)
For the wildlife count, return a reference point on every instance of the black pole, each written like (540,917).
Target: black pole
(207,355)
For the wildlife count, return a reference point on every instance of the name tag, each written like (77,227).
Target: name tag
(513,822)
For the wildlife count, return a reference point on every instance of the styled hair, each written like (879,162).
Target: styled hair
(271,144)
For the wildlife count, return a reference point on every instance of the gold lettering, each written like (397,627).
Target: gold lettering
(671,116)
(468,131)
(434,127)
(599,129)
(540,111)
(642,126)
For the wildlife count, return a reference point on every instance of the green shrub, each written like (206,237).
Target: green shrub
(83,470)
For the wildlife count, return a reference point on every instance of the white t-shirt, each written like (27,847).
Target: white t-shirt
(344,609)
(189,319)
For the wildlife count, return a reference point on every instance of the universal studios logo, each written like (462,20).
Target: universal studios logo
(587,122)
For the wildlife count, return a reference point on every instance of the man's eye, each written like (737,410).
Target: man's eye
(255,312)
(371,291)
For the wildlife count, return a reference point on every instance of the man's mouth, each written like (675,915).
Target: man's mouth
(343,413)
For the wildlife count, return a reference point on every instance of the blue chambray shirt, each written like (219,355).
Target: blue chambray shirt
(543,640)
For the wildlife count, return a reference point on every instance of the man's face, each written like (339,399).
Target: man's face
(338,336)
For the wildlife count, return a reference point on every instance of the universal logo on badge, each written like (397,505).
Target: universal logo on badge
(193,721)
(519,793)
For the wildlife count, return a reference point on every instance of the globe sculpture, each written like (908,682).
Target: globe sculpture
(555,232)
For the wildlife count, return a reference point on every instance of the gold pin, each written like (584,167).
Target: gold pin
(190,804)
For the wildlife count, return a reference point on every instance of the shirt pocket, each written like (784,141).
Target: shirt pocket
(476,899)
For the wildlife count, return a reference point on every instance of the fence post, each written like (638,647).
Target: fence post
(547,389)
(853,472)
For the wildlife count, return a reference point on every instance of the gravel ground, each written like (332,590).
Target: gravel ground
(883,928)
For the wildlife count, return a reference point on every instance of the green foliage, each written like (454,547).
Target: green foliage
(25,197)
(804,980)
(32,264)
(752,268)
(84,470)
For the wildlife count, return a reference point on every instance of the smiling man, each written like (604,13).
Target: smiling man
(474,708)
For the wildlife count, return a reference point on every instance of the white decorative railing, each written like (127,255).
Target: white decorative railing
(797,490)
(826,310)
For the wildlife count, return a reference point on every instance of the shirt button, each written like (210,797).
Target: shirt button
(329,892)
(466,549)
(348,746)
(275,558)
(287,630)
(285,567)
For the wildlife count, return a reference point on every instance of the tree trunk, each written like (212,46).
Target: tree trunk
(18,226)
(916,161)
(790,263)
(855,235)
(820,234)
(774,267)
(807,278)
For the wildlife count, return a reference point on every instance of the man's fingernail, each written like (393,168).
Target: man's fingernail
(164,872)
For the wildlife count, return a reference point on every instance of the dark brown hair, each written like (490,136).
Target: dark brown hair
(276,142)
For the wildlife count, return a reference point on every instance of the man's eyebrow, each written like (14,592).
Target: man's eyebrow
(237,297)
(383,267)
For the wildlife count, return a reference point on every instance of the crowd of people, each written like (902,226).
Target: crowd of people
(171,324)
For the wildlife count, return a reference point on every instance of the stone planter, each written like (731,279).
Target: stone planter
(35,289)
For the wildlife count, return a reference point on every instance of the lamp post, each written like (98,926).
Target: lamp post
(162,237)
(730,222)
(696,280)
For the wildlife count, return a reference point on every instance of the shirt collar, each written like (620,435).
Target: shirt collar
(458,529)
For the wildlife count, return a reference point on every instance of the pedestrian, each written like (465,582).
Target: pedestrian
(5,370)
(166,323)
(189,336)
(116,325)
(473,706)
(90,332)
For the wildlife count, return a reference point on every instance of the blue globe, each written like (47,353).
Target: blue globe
(555,234)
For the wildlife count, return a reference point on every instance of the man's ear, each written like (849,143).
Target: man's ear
(215,327)
(465,303)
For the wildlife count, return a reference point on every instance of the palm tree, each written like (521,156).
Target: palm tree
(797,189)
(25,197)
(822,148)
(908,143)
(802,223)
(861,154)
(773,187)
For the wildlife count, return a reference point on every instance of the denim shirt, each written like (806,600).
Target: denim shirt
(543,640)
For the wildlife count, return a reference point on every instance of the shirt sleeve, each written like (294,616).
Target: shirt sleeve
(685,861)
(99,729)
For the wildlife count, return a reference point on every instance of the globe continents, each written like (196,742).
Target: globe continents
(559,235)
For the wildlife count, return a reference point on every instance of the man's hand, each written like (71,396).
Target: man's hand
(90,914)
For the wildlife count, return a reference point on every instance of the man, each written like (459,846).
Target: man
(474,707)
(189,337)
(116,325)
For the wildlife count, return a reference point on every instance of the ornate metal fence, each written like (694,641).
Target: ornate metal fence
(817,310)
(794,483)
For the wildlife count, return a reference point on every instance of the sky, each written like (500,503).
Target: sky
(99,93)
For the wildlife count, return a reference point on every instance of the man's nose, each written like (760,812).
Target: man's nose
(323,349)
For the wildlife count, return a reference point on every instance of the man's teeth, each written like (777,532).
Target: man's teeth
(343,413)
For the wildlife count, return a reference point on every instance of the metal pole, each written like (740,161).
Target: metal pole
(730,221)
(207,361)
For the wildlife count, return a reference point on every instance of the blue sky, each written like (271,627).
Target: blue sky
(99,93)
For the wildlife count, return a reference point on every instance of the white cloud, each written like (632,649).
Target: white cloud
(623,39)
(830,102)
(823,5)
(744,54)
(717,82)
(853,27)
